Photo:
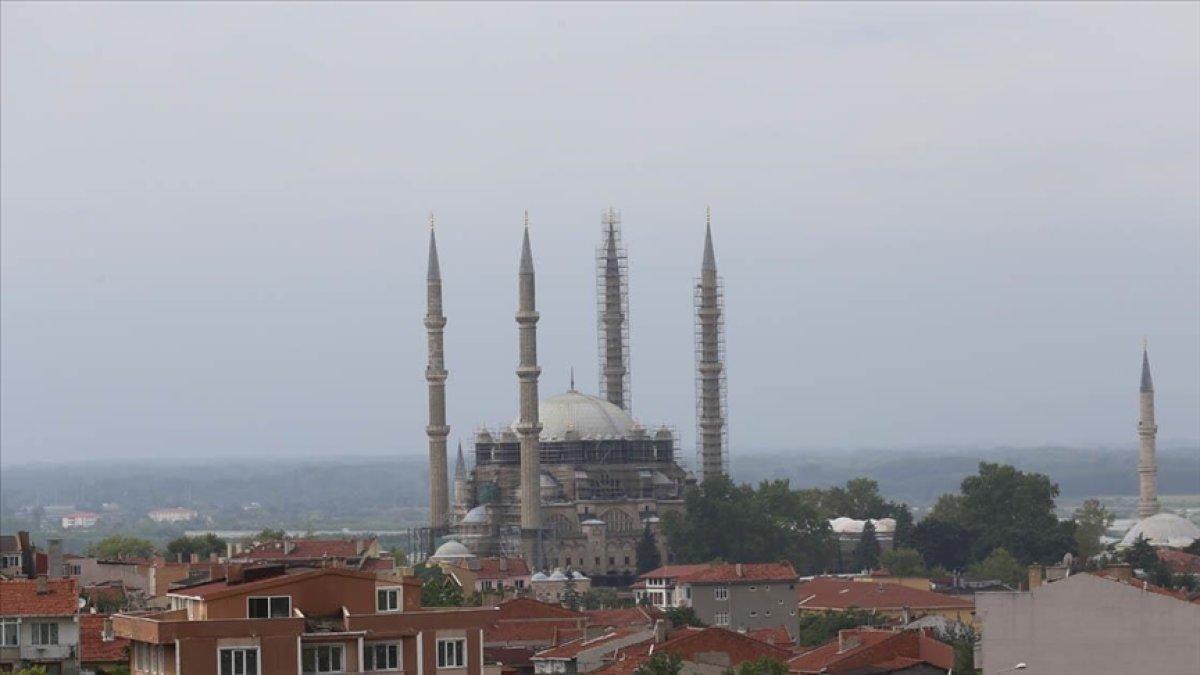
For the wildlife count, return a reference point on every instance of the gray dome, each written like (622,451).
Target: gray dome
(476,515)
(1163,529)
(452,550)
(583,415)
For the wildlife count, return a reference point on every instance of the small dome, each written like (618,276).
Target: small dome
(582,416)
(476,515)
(1163,529)
(557,575)
(845,525)
(539,576)
(578,575)
(452,550)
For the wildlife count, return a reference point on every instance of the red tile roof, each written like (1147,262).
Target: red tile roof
(1113,575)
(92,646)
(777,635)
(210,589)
(688,644)
(1179,562)
(742,572)
(21,598)
(537,632)
(572,649)
(874,651)
(306,548)
(625,616)
(489,569)
(528,608)
(830,593)
(672,571)
(513,657)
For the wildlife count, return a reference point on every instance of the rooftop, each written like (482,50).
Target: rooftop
(306,548)
(21,598)
(831,593)
(92,645)
(873,651)
(737,572)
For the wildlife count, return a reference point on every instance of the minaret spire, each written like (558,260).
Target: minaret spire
(462,502)
(1148,503)
(528,427)
(710,367)
(612,312)
(435,377)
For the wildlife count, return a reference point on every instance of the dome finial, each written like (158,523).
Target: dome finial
(572,378)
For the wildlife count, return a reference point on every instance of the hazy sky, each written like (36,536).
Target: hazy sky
(937,224)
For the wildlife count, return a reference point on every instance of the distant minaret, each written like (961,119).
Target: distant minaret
(528,428)
(435,375)
(1147,464)
(612,313)
(462,502)
(710,348)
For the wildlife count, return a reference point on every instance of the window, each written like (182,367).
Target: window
(10,629)
(382,656)
(270,607)
(626,560)
(73,569)
(792,613)
(520,583)
(721,593)
(241,661)
(568,561)
(721,619)
(452,653)
(321,659)
(597,561)
(11,561)
(387,599)
(612,561)
(753,613)
(150,658)
(45,633)
(753,588)
(768,612)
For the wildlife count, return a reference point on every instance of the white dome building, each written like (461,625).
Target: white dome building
(575,416)
(1163,529)
(452,552)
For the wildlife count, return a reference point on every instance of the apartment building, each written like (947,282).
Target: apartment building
(274,619)
(739,596)
(39,625)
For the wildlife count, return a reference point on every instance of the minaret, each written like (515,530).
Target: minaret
(462,502)
(710,374)
(1147,464)
(528,427)
(435,375)
(612,313)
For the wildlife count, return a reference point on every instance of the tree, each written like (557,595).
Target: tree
(1014,510)
(648,557)
(1193,548)
(950,508)
(31,670)
(739,522)
(942,543)
(203,545)
(661,664)
(1091,522)
(866,554)
(1000,564)
(1141,555)
(602,598)
(121,547)
(860,499)
(570,595)
(817,628)
(763,665)
(438,589)
(268,534)
(683,616)
(902,562)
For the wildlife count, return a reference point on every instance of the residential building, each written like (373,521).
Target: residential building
(1179,562)
(894,601)
(532,624)
(585,654)
(100,651)
(741,596)
(80,520)
(621,617)
(173,514)
(499,576)
(274,619)
(39,625)
(702,651)
(867,650)
(552,587)
(17,556)
(1091,624)
(290,548)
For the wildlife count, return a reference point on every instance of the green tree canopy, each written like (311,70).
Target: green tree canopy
(903,562)
(603,598)
(119,546)
(1091,522)
(817,628)
(942,544)
(1000,564)
(1014,510)
(763,665)
(269,534)
(661,664)
(648,557)
(866,553)
(738,522)
(438,589)
(203,545)
(860,499)
(683,616)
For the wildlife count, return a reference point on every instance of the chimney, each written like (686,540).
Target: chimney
(234,574)
(43,585)
(106,633)
(503,564)
(738,570)
(195,557)
(359,546)
(213,557)
(847,639)
(1035,576)
(288,546)
(228,550)
(660,631)
(54,558)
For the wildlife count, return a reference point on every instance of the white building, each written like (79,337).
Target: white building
(174,514)
(80,520)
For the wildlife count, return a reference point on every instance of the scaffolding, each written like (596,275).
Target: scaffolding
(612,313)
(705,356)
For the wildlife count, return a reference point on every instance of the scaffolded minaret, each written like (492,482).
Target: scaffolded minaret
(528,427)
(711,433)
(1147,464)
(435,375)
(612,312)
(462,501)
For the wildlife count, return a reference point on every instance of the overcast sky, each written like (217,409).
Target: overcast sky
(938,224)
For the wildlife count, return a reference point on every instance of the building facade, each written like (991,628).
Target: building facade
(39,625)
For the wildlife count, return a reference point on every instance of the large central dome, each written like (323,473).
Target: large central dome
(581,416)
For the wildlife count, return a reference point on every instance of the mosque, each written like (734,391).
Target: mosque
(575,481)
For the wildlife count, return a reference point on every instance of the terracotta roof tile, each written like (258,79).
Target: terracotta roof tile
(528,608)
(20,598)
(672,571)
(1179,562)
(776,635)
(92,646)
(489,569)
(867,650)
(829,593)
(306,548)
(540,633)
(624,616)
(572,649)
(1112,575)
(728,573)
